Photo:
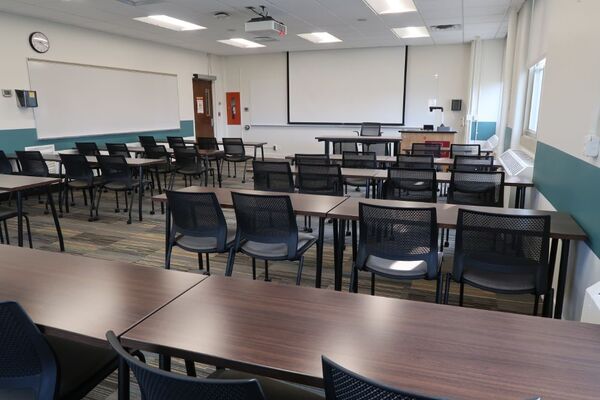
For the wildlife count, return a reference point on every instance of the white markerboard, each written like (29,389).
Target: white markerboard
(347,86)
(82,100)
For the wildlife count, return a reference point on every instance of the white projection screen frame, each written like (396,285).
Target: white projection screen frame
(347,86)
(76,100)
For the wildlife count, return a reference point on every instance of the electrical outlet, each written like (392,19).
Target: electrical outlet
(275,147)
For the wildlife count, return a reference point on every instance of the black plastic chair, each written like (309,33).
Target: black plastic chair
(46,367)
(207,143)
(341,147)
(159,152)
(147,141)
(198,226)
(312,159)
(317,179)
(502,253)
(273,176)
(87,148)
(79,175)
(189,164)
(477,188)
(473,163)
(342,384)
(374,129)
(118,149)
(415,162)
(176,141)
(32,163)
(411,184)
(235,153)
(156,384)
(117,177)
(359,160)
(398,243)
(426,149)
(5,164)
(267,230)
(465,150)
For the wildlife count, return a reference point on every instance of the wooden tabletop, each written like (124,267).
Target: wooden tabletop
(445,161)
(133,162)
(445,351)
(15,183)
(303,204)
(193,141)
(562,225)
(202,152)
(444,177)
(359,139)
(81,298)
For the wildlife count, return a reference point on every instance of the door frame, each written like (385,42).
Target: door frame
(212,79)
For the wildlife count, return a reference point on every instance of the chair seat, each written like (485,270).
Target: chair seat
(399,268)
(191,171)
(274,389)
(236,158)
(81,184)
(124,185)
(80,365)
(501,274)
(8,214)
(202,244)
(272,250)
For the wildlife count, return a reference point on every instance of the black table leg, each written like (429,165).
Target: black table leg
(123,377)
(140,191)
(20,218)
(262,152)
(219,176)
(320,243)
(326,146)
(354,241)
(517,197)
(167,230)
(61,241)
(339,249)
(164,362)
(562,278)
(523,190)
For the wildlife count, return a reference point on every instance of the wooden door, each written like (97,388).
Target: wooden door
(203,108)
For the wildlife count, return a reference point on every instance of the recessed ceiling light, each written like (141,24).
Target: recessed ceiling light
(319,37)
(391,6)
(164,21)
(243,43)
(411,32)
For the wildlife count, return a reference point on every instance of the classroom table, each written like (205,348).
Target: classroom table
(19,183)
(438,161)
(281,331)
(394,140)
(309,205)
(255,145)
(562,226)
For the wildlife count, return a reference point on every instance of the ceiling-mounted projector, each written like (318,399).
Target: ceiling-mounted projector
(265,25)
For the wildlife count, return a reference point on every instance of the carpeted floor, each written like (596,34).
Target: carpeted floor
(143,243)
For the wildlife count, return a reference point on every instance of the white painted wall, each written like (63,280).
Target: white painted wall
(261,79)
(76,45)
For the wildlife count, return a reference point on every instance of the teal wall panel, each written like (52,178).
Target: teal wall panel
(484,130)
(571,185)
(16,139)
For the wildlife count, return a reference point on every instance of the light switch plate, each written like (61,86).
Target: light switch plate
(6,92)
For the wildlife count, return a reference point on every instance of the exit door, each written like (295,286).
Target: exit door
(203,108)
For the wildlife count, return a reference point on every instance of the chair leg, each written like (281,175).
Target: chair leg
(267,279)
(207,272)
(244,173)
(168,257)
(438,288)
(462,294)
(28,231)
(118,209)
(447,242)
(200,262)
(372,284)
(299,275)
(253,268)
(228,170)
(447,288)
(6,232)
(98,201)
(353,280)
(536,305)
(1,236)
(190,368)
(91,191)
(85,200)
(230,262)
(131,202)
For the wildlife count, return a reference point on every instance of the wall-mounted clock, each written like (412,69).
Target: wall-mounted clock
(39,42)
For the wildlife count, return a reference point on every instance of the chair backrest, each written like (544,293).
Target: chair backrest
(500,241)
(413,161)
(370,129)
(234,147)
(118,149)
(87,148)
(477,188)
(266,219)
(156,152)
(426,149)
(342,384)
(473,163)
(411,184)
(320,179)
(398,233)
(381,149)
(26,360)
(464,150)
(115,169)
(273,176)
(77,167)
(32,163)
(156,384)
(359,160)
(341,147)
(207,143)
(147,141)
(5,164)
(186,157)
(312,159)
(199,215)
(176,141)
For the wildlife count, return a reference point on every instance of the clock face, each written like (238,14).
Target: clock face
(39,42)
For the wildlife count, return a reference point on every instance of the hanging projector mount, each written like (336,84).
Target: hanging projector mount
(264,25)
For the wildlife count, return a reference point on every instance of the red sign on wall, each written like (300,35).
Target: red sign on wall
(234,115)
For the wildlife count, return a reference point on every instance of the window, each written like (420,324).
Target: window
(534,95)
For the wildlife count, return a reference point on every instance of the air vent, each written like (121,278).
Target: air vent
(264,39)
(140,2)
(446,27)
(517,163)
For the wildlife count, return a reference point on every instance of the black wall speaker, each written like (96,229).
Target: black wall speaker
(456,105)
